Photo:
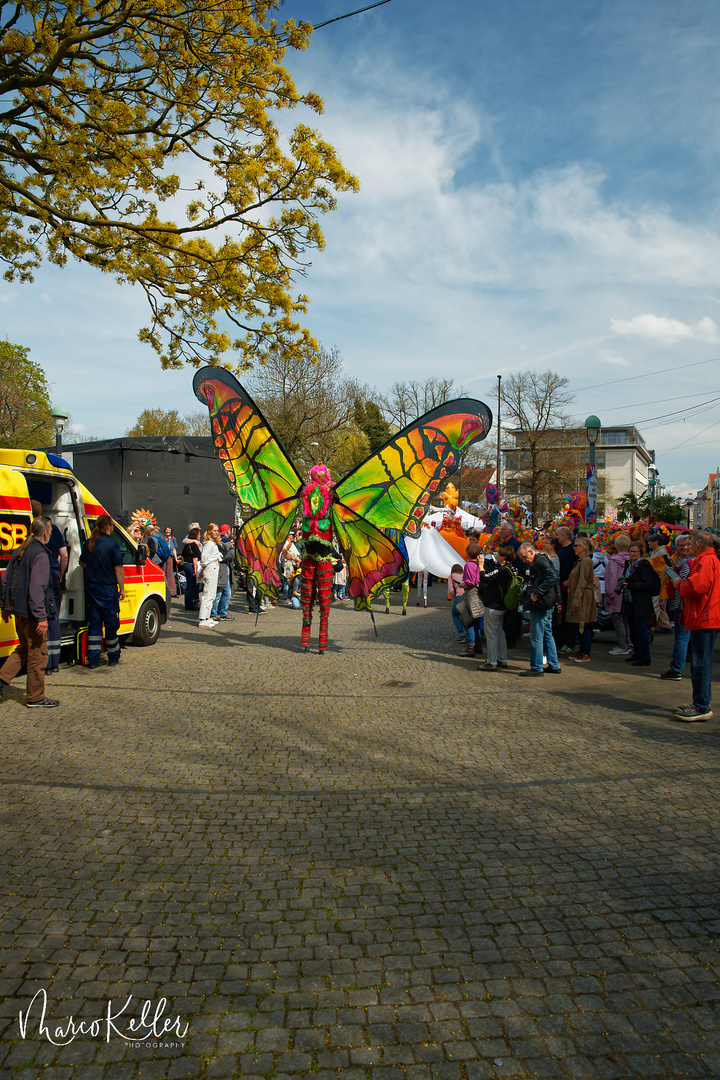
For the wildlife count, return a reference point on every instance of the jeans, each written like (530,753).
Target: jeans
(191,587)
(221,602)
(681,648)
(495,637)
(585,637)
(702,652)
(474,631)
(542,640)
(639,635)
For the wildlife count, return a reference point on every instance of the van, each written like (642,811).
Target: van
(31,474)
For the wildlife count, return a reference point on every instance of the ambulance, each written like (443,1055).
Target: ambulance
(31,474)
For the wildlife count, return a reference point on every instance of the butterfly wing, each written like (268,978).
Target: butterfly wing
(257,468)
(392,488)
(260,542)
(373,560)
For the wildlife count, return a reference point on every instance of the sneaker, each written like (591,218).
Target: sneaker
(487,667)
(693,712)
(629,651)
(208,623)
(617,652)
(581,658)
(43,703)
(552,670)
(565,648)
(502,663)
(670,675)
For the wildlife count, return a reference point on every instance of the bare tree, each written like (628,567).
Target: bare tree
(406,401)
(536,402)
(311,407)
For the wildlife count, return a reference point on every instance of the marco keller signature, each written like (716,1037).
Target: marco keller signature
(151,1024)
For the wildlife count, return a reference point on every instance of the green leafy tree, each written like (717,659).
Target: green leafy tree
(104,105)
(665,507)
(25,420)
(371,421)
(157,422)
(630,505)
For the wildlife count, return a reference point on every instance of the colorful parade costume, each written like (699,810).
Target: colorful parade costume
(389,490)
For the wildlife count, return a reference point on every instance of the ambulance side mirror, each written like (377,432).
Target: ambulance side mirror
(142,554)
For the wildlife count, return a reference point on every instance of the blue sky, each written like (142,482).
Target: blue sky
(540,189)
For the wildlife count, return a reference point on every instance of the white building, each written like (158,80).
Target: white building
(621,458)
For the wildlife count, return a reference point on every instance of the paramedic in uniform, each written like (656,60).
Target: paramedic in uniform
(58,554)
(105,588)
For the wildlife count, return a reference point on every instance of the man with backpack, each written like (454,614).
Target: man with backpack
(500,589)
(26,592)
(159,550)
(540,597)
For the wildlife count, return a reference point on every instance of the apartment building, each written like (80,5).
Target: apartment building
(557,460)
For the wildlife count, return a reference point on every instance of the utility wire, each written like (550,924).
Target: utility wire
(647,375)
(350,14)
(657,401)
(688,412)
(673,448)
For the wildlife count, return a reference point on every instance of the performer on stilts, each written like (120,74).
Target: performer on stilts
(318,556)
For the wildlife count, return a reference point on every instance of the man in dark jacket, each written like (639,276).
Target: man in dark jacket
(27,593)
(540,598)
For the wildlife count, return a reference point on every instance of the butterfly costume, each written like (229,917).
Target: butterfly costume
(389,490)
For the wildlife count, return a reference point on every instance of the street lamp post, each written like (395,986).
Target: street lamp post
(592,430)
(60,417)
(652,481)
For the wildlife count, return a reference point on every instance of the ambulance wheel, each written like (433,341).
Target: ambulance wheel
(147,627)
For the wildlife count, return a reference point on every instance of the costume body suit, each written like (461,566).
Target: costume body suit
(316,568)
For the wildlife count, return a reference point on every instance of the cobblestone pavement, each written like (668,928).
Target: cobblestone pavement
(374,865)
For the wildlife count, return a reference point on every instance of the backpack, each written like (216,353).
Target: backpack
(162,548)
(513,593)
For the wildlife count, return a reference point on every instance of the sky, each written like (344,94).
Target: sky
(540,189)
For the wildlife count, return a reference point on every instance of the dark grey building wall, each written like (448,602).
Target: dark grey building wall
(179,479)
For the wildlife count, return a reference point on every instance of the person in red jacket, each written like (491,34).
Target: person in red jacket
(701,598)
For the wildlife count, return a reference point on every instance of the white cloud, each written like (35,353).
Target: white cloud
(666,331)
(610,356)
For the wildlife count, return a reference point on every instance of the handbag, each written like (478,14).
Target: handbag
(462,608)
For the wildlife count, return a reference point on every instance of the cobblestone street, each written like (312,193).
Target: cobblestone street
(374,865)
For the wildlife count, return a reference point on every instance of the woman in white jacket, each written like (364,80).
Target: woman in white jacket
(210,562)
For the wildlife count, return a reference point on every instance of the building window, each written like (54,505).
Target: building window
(600,461)
(616,438)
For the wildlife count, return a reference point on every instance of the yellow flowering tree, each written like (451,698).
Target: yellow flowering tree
(110,109)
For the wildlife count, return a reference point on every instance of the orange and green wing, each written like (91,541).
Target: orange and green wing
(373,560)
(260,543)
(392,488)
(257,468)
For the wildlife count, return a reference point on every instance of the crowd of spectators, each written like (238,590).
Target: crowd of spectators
(566,591)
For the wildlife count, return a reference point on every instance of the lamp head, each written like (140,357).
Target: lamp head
(592,428)
(60,415)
